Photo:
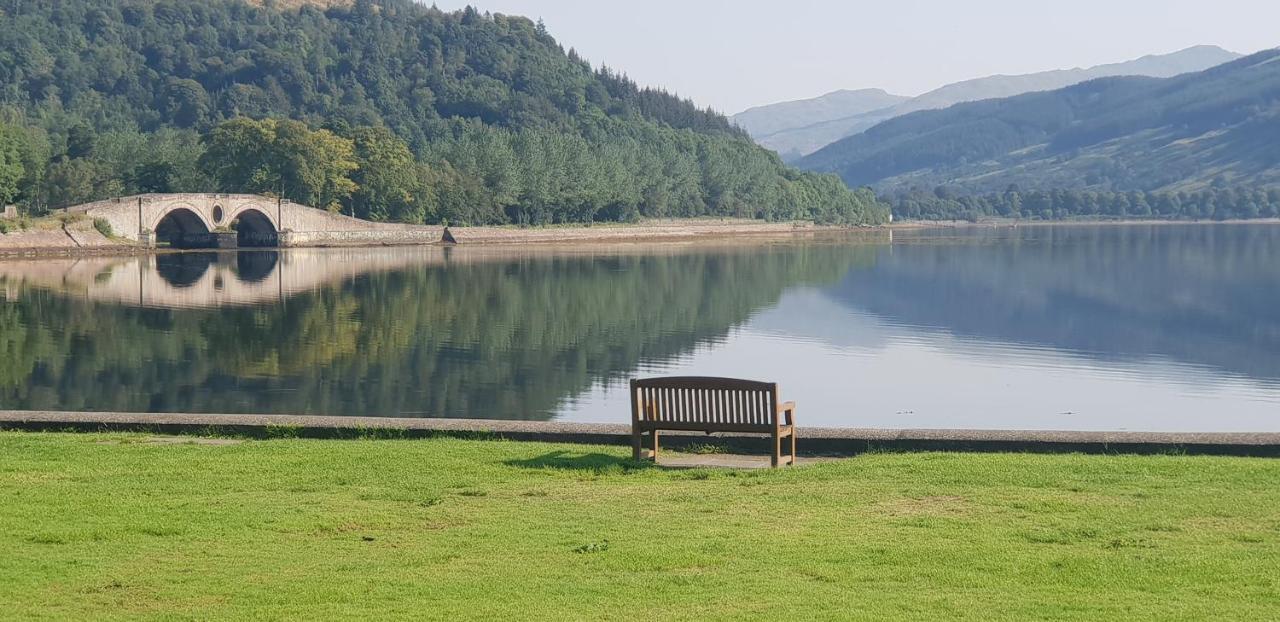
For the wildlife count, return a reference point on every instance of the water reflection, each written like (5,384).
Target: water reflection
(254,267)
(207,279)
(1164,327)
(1083,327)
(1201,295)
(419,332)
(182,270)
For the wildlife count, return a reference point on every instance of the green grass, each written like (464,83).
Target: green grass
(104,227)
(110,526)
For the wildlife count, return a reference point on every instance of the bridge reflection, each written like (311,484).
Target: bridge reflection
(243,278)
(206,279)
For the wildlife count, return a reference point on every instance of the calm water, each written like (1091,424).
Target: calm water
(1079,327)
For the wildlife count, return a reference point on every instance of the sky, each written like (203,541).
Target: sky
(732,55)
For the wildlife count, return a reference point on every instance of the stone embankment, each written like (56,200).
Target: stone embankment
(812,441)
(649,230)
(55,237)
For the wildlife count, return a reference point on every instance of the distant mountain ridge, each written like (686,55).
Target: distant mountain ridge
(763,121)
(1186,132)
(799,139)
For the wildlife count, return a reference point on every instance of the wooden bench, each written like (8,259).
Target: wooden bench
(711,405)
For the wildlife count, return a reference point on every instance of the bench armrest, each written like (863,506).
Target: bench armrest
(789,410)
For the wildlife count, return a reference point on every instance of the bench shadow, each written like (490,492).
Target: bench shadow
(575,461)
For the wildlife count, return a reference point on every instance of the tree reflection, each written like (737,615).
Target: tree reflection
(501,337)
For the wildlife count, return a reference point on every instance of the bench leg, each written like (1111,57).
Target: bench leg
(777,450)
(793,446)
(636,449)
(655,445)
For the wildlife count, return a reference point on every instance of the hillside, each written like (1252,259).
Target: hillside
(1217,126)
(384,109)
(800,139)
(765,121)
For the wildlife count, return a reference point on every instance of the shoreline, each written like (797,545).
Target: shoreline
(42,243)
(63,243)
(812,441)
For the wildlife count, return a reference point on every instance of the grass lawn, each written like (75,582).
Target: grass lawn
(111,526)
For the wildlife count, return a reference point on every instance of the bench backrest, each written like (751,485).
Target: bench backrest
(718,402)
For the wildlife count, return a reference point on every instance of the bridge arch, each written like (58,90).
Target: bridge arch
(254,228)
(183,227)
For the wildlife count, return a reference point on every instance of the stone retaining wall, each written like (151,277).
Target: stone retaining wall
(394,236)
(68,239)
(665,229)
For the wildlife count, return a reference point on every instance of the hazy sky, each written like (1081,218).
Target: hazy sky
(733,55)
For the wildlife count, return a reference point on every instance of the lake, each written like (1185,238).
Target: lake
(1071,327)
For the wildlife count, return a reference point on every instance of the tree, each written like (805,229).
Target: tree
(186,102)
(12,170)
(390,183)
(81,140)
(240,156)
(71,182)
(282,157)
(154,176)
(314,165)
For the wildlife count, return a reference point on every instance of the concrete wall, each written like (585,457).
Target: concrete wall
(9,212)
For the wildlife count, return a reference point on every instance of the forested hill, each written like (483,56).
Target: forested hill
(383,108)
(1185,133)
(795,136)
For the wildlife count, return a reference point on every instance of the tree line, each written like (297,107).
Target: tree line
(1220,201)
(384,109)
(477,175)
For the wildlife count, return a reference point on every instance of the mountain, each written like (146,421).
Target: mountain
(803,138)
(764,121)
(1216,126)
(390,109)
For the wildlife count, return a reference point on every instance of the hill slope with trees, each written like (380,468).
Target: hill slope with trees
(384,109)
(1215,128)
(794,136)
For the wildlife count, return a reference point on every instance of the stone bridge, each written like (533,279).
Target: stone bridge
(239,220)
